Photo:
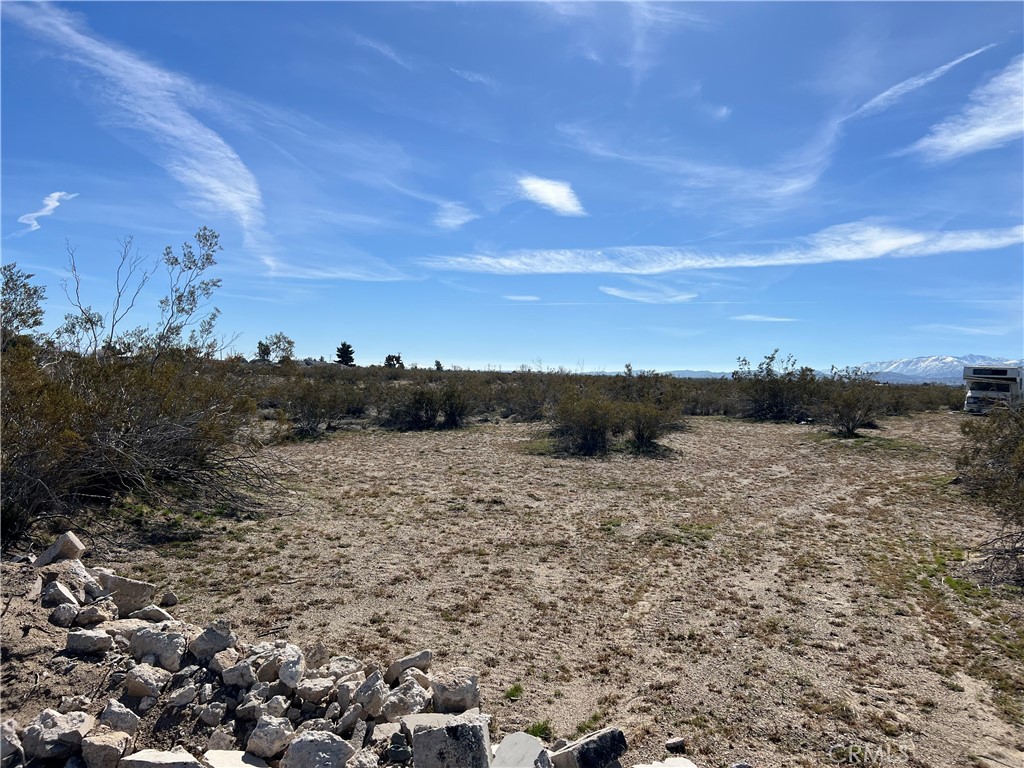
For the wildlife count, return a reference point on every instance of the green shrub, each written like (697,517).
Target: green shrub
(776,392)
(851,399)
(991,463)
(646,424)
(584,423)
(456,400)
(412,407)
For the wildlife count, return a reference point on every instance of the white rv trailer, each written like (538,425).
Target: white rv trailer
(988,386)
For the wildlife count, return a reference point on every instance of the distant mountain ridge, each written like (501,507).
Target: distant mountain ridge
(944,369)
(937,369)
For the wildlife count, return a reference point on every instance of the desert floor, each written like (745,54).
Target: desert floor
(767,592)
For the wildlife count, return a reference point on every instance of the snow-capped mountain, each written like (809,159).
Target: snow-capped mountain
(936,368)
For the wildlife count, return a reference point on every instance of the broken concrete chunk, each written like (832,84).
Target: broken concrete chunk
(596,750)
(213,713)
(156,758)
(105,748)
(457,745)
(66,547)
(86,641)
(352,716)
(419,660)
(317,749)
(293,667)
(371,694)
(270,737)
(118,717)
(146,680)
(521,750)
(456,690)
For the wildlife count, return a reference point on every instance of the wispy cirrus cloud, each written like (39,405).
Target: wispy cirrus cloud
(521,298)
(963,330)
(856,241)
(763,319)
(453,215)
(892,95)
(649,23)
(383,49)
(156,102)
(994,116)
(555,195)
(476,77)
(648,292)
(50,203)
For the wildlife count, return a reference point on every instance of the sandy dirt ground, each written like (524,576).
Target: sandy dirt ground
(767,592)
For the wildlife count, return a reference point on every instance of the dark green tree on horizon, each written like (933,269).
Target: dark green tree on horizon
(394,361)
(345,354)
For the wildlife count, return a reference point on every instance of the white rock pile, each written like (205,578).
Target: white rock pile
(266,704)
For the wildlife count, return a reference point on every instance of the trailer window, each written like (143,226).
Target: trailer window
(990,386)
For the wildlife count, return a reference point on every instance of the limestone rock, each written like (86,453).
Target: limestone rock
(182,696)
(596,750)
(151,613)
(364,758)
(521,750)
(241,674)
(86,641)
(118,717)
(104,748)
(55,594)
(64,615)
(408,699)
(456,690)
(146,680)
(459,744)
(340,667)
(213,713)
(52,735)
(270,737)
(215,638)
(97,612)
(222,740)
(315,689)
(292,668)
(156,758)
(66,547)
(371,694)
(224,660)
(167,647)
(352,715)
(232,758)
(77,703)
(317,749)
(10,745)
(419,660)
(129,595)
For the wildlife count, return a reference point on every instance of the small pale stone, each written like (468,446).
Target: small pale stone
(455,691)
(130,595)
(223,660)
(419,660)
(213,713)
(232,758)
(96,613)
(408,699)
(167,648)
(221,739)
(315,689)
(214,639)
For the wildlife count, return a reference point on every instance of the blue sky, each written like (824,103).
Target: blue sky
(497,184)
